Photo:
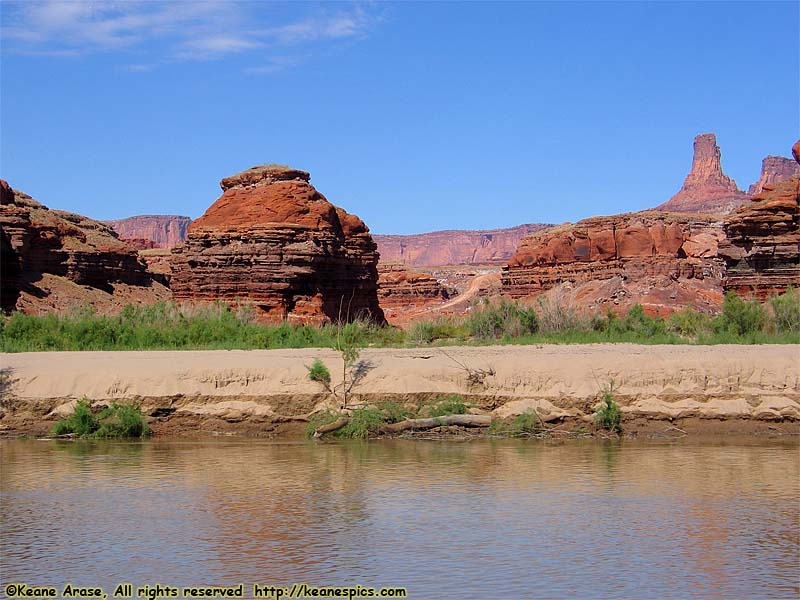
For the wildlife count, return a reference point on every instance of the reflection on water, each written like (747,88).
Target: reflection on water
(701,519)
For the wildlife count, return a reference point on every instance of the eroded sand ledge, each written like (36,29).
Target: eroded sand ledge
(760,383)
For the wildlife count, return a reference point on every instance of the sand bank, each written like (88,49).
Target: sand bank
(753,383)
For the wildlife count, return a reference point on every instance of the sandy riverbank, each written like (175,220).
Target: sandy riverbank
(253,391)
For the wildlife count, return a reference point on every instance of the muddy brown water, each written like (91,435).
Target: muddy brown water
(696,518)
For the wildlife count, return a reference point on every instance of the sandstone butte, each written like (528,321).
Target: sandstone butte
(663,261)
(56,261)
(762,244)
(274,242)
(706,188)
(152,231)
(454,247)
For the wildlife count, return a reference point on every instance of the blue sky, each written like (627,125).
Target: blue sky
(415,116)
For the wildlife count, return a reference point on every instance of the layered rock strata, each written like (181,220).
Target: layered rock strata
(54,260)
(273,241)
(774,169)
(706,188)
(437,248)
(399,287)
(663,261)
(762,245)
(152,231)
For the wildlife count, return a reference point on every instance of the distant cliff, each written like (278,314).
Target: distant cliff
(164,231)
(774,169)
(492,246)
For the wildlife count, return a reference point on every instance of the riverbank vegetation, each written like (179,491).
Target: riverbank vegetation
(119,420)
(169,326)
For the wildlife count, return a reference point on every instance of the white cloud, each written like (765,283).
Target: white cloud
(166,31)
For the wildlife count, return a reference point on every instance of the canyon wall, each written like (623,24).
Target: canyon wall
(400,287)
(273,241)
(762,244)
(486,247)
(54,261)
(664,261)
(152,231)
(706,188)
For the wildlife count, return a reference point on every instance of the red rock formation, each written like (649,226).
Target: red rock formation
(489,247)
(401,287)
(706,188)
(140,243)
(274,241)
(664,261)
(773,170)
(762,249)
(163,231)
(54,260)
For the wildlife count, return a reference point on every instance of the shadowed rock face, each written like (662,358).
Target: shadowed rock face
(274,241)
(762,246)
(487,247)
(55,260)
(706,188)
(152,231)
(663,261)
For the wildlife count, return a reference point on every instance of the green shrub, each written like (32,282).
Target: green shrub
(392,411)
(640,324)
(116,421)
(446,405)
(608,414)
(689,323)
(319,372)
(442,328)
(525,424)
(81,422)
(121,421)
(494,320)
(786,311)
(739,317)
(363,422)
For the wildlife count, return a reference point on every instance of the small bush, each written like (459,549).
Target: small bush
(121,421)
(447,405)
(319,372)
(81,422)
(392,411)
(608,414)
(494,320)
(116,421)
(363,422)
(443,328)
(739,317)
(689,323)
(786,311)
(525,424)
(556,315)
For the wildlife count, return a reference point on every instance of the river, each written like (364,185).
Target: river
(693,518)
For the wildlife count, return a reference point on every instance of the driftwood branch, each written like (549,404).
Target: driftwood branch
(337,424)
(463,420)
